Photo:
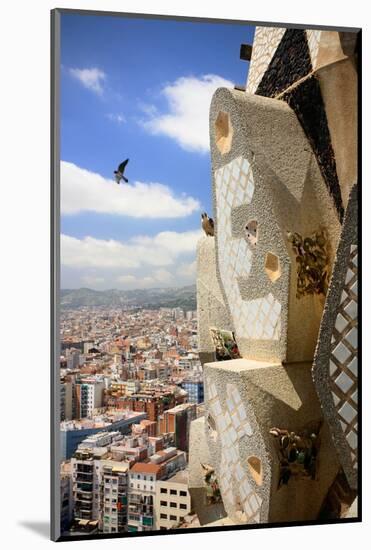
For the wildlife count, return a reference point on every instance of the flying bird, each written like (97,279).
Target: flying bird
(207,224)
(119,173)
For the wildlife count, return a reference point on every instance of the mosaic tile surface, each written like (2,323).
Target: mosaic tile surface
(307,102)
(234,187)
(313,38)
(238,490)
(290,63)
(343,364)
(335,366)
(259,319)
(266,41)
(254,319)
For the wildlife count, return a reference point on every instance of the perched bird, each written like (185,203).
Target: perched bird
(119,173)
(207,224)
(208,469)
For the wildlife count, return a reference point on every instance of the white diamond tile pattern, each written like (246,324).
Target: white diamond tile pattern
(266,41)
(313,38)
(343,367)
(232,424)
(258,319)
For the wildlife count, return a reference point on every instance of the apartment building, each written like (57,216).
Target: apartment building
(86,480)
(89,396)
(73,358)
(143,477)
(194,386)
(67,389)
(65,496)
(99,486)
(114,497)
(72,433)
(142,489)
(177,421)
(172,501)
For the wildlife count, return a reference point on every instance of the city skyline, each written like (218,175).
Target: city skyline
(130,384)
(130,89)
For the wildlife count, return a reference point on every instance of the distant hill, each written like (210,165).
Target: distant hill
(150,298)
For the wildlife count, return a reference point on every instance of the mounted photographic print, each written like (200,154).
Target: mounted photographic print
(204,285)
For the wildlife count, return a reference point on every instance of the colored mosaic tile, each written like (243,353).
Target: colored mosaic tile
(313,38)
(255,319)
(291,62)
(232,424)
(335,368)
(266,40)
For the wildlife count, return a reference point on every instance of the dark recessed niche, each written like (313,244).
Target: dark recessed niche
(223,132)
(272,266)
(255,468)
(251,229)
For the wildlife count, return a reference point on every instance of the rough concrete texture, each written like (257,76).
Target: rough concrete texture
(333,62)
(313,38)
(211,308)
(330,49)
(306,101)
(353,510)
(290,63)
(266,42)
(270,176)
(339,88)
(335,368)
(331,56)
(244,400)
(199,454)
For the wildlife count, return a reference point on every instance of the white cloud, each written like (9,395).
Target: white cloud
(187,119)
(159,277)
(124,279)
(131,282)
(158,251)
(90,252)
(171,241)
(166,259)
(148,109)
(93,79)
(82,190)
(116,117)
(187,270)
(91,280)
(163,276)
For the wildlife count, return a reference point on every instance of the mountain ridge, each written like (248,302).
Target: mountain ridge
(150,298)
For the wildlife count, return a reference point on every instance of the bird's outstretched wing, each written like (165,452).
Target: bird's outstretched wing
(121,167)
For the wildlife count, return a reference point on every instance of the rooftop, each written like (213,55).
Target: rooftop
(145,468)
(100,421)
(115,466)
(180,408)
(180,477)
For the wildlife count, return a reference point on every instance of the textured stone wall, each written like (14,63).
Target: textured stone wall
(335,368)
(284,159)
(245,399)
(211,308)
(269,176)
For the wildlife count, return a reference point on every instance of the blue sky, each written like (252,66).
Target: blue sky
(141,89)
